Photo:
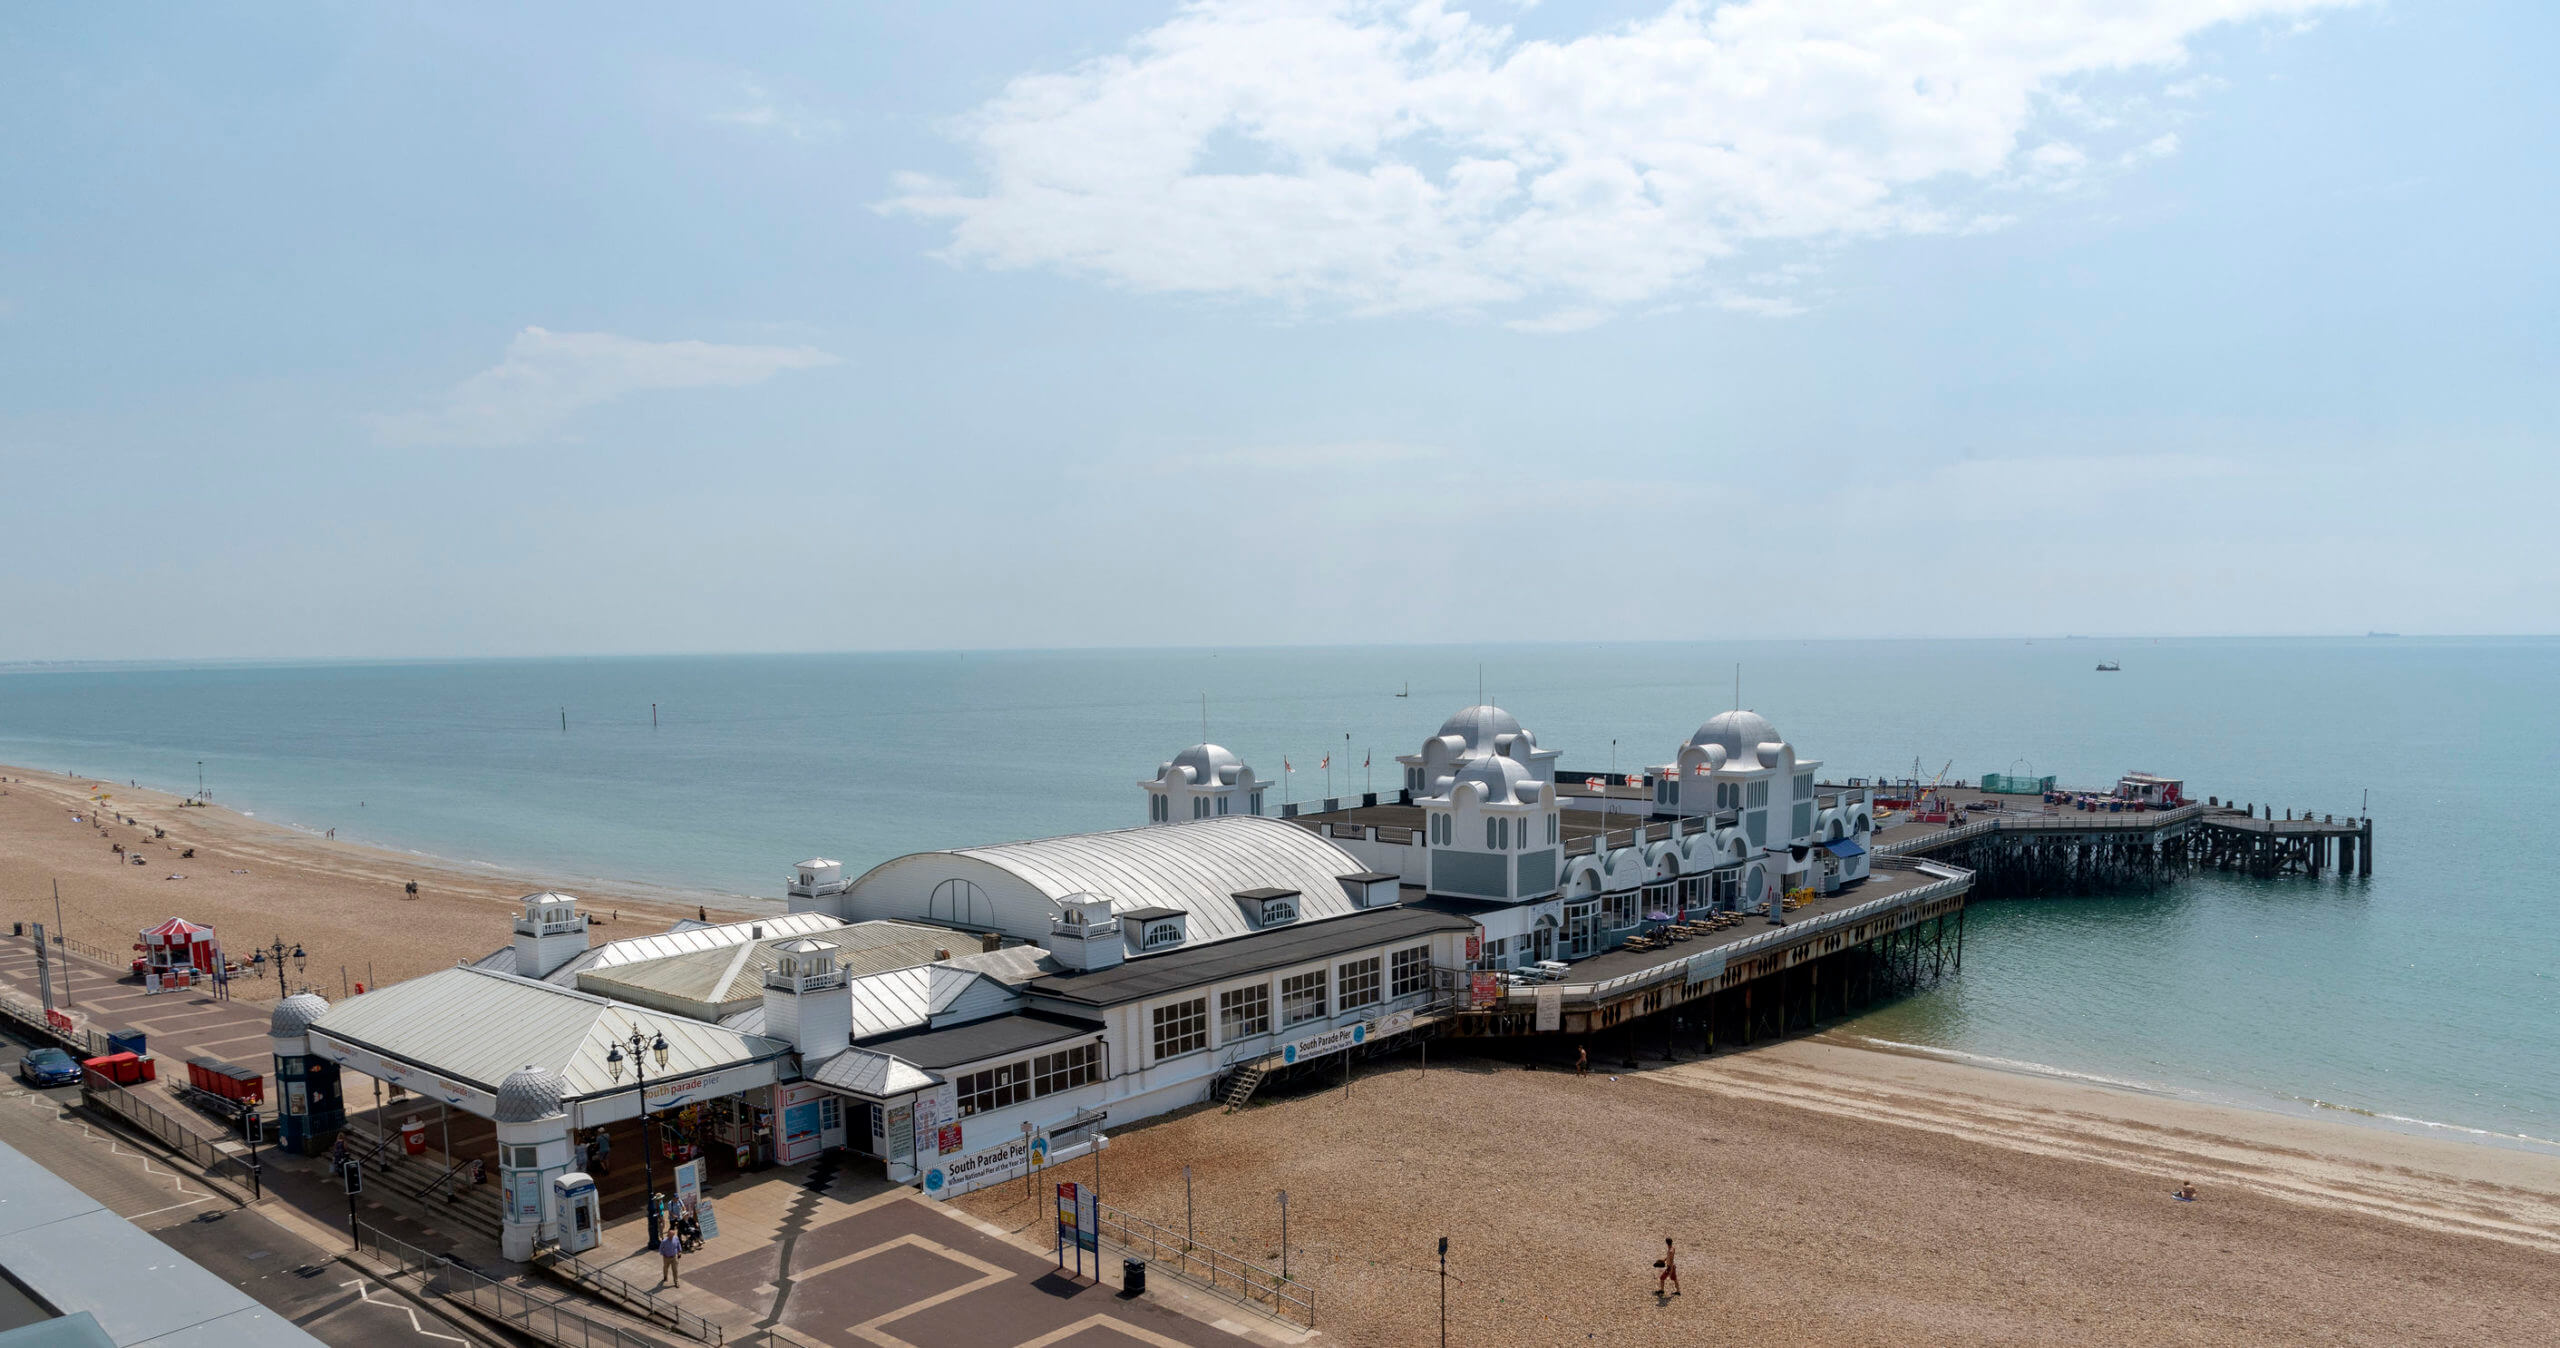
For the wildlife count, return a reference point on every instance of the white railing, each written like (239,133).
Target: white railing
(1951,880)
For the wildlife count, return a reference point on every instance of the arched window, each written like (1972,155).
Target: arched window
(1502,831)
(1257,802)
(1489,844)
(1199,807)
(1222,804)
(1554,822)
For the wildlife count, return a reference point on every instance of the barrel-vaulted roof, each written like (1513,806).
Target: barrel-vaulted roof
(1197,866)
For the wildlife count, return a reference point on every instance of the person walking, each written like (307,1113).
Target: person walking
(670,1251)
(1581,1060)
(1669,1263)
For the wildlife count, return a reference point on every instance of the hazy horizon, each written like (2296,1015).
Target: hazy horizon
(474,331)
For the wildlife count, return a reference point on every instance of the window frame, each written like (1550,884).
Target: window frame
(1244,1013)
(1188,1021)
(1408,971)
(1322,1001)
(1353,978)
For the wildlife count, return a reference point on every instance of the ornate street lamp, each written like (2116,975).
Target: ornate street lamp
(655,1046)
(280,953)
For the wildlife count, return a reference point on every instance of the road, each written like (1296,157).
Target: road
(242,1246)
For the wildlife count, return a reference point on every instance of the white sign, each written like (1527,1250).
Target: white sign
(960,1174)
(1393,1023)
(934,1108)
(1328,1041)
(1550,1007)
(1705,967)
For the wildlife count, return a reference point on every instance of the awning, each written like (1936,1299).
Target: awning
(1844,848)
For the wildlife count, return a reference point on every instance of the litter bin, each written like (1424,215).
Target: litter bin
(1133,1277)
(413,1137)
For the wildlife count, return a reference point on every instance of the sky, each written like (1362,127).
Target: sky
(452,330)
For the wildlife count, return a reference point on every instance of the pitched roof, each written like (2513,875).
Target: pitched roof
(477,1027)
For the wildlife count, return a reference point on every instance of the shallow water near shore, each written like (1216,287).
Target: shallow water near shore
(2427,994)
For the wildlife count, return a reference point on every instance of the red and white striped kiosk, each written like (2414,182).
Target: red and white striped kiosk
(176,953)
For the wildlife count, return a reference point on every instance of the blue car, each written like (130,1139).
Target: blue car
(48,1067)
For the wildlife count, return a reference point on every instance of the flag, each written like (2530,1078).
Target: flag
(1593,785)
(1284,766)
(1328,761)
(1364,760)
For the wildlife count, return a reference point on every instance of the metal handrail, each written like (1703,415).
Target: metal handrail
(444,1276)
(1216,1271)
(552,1260)
(99,1093)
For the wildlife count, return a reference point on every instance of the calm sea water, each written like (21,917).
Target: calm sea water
(2429,992)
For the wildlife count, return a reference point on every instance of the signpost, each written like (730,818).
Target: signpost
(353,1176)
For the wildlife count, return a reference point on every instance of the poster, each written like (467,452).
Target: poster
(1484,989)
(1475,945)
(688,1185)
(948,1138)
(900,1133)
(709,1220)
(1550,1008)
(1066,1214)
(934,1108)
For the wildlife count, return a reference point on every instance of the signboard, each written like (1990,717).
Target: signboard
(1394,1023)
(1550,1008)
(948,1138)
(1089,1222)
(1066,1214)
(1321,1044)
(44,968)
(1475,945)
(1484,989)
(688,1185)
(899,1128)
(934,1108)
(709,1220)
(1706,967)
(960,1174)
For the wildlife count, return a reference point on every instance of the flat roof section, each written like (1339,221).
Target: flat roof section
(1156,975)
(995,1037)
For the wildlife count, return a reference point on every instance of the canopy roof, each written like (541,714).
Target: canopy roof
(177,929)
(478,1027)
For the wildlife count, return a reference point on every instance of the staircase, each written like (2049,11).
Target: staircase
(1240,1090)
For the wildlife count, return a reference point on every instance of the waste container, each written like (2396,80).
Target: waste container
(1133,1276)
(413,1137)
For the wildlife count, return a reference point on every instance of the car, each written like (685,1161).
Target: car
(48,1067)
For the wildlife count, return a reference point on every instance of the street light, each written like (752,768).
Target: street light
(279,952)
(656,1046)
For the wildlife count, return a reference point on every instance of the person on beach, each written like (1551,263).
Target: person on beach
(670,1250)
(1582,1060)
(2186,1192)
(1669,1263)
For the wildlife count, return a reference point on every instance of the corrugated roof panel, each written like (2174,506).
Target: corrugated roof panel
(1194,866)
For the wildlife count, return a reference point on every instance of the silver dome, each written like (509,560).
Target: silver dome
(1481,726)
(1740,732)
(1504,781)
(1210,764)
(293,1015)
(530,1093)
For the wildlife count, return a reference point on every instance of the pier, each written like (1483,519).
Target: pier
(2021,847)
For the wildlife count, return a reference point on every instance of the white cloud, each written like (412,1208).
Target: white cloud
(549,376)
(761,111)
(1372,156)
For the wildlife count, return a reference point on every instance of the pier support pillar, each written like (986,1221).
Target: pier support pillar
(2364,849)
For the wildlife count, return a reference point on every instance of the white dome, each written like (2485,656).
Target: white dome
(1210,764)
(294,1014)
(530,1093)
(1740,732)
(1504,781)
(1481,726)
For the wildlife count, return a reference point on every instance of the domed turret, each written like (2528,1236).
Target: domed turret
(293,1015)
(530,1093)
(1503,781)
(1740,733)
(1481,726)
(1210,764)
(1201,781)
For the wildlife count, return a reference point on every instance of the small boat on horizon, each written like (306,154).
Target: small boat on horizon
(2109,667)
(1408,689)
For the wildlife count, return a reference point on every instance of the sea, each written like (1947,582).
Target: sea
(2425,997)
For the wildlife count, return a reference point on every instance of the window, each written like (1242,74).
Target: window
(1759,794)
(1163,934)
(523,1158)
(1804,786)
(1013,1083)
(1222,804)
(1440,830)
(1302,998)
(1199,807)
(1360,984)
(1257,802)
(1182,1028)
(1276,911)
(1497,954)
(830,1113)
(1055,1072)
(1554,823)
(1244,1012)
(1489,843)
(1412,970)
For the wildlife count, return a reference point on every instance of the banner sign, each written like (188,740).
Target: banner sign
(1329,1041)
(1706,967)
(1484,989)
(1550,1007)
(934,1108)
(1393,1023)
(960,1174)
(1066,1214)
(688,1185)
(1475,945)
(709,1221)
(948,1138)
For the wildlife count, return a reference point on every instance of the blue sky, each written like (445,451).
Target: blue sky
(447,329)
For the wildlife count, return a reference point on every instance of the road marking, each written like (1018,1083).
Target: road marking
(1112,1323)
(989,1275)
(138,1216)
(365,1295)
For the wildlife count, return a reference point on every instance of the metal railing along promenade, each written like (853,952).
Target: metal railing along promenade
(641,1301)
(446,1278)
(110,1098)
(1172,1253)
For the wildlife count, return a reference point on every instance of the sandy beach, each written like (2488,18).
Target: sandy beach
(1835,1195)
(255,881)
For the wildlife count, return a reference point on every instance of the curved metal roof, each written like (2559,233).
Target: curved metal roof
(1197,866)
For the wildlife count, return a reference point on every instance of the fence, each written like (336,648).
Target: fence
(1170,1252)
(108,1097)
(577,1272)
(441,1276)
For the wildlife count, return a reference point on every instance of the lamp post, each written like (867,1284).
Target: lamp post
(276,949)
(655,1045)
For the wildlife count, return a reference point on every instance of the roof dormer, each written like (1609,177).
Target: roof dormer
(1268,907)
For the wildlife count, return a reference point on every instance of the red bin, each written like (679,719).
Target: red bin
(413,1137)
